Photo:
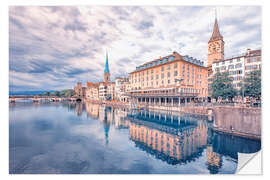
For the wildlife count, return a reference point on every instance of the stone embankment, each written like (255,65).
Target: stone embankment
(241,121)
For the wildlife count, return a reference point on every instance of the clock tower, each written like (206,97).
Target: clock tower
(215,46)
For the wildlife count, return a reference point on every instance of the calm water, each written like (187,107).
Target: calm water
(86,138)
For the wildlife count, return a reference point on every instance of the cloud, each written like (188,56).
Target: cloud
(54,47)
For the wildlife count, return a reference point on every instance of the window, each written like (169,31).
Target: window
(223,62)
(168,67)
(231,66)
(175,65)
(239,65)
(157,76)
(162,68)
(152,71)
(217,64)
(162,76)
(253,59)
(231,61)
(238,60)
(168,74)
(168,81)
(175,73)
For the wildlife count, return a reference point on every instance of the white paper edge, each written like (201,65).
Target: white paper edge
(249,163)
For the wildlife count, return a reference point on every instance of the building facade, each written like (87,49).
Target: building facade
(252,60)
(169,79)
(121,87)
(111,91)
(79,90)
(92,91)
(239,66)
(235,66)
(103,91)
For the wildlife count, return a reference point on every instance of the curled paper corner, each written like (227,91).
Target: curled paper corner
(249,163)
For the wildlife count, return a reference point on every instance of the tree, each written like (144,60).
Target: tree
(222,85)
(47,93)
(252,84)
(56,93)
(67,93)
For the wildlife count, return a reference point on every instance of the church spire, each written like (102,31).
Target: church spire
(107,70)
(107,65)
(216,34)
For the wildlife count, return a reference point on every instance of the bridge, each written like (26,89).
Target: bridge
(13,99)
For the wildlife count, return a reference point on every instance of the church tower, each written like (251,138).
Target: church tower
(106,70)
(215,46)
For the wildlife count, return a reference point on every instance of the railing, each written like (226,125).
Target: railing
(162,94)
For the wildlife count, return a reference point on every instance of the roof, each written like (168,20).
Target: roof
(255,52)
(168,59)
(216,34)
(251,54)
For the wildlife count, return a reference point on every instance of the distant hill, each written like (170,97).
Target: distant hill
(28,92)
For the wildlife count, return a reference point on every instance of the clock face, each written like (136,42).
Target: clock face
(215,47)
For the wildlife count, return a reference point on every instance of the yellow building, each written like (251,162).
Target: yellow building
(173,78)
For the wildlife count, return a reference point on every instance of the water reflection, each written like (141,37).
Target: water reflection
(173,138)
(156,142)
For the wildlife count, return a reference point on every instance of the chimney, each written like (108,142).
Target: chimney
(248,51)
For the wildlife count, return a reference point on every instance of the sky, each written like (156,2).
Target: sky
(52,48)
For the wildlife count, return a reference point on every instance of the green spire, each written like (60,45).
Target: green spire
(107,65)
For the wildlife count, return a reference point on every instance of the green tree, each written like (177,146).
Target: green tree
(251,85)
(48,93)
(221,85)
(56,93)
(67,93)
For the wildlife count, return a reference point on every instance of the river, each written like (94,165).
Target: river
(85,138)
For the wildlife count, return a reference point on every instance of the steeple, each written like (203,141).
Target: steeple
(216,34)
(107,70)
(107,65)
(215,45)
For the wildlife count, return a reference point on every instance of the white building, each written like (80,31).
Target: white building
(120,88)
(235,66)
(102,91)
(239,66)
